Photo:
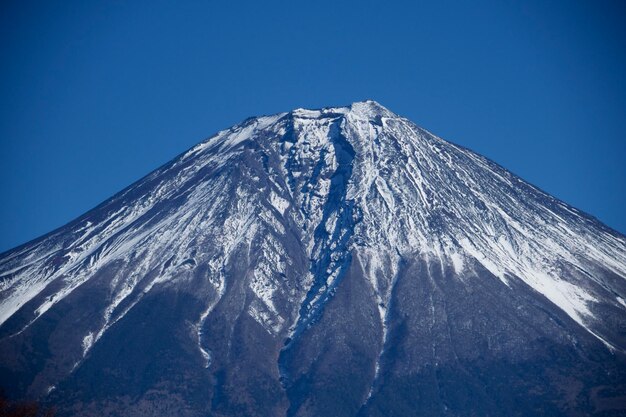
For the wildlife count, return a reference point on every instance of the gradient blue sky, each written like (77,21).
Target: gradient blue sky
(94,95)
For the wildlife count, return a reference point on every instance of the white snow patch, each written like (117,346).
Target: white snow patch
(87,343)
(279,203)
(457,262)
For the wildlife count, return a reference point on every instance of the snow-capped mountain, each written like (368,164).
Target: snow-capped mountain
(341,261)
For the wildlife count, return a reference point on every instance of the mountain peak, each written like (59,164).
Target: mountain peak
(332,238)
(366,109)
(371,109)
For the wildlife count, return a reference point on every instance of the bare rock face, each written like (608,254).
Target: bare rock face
(334,262)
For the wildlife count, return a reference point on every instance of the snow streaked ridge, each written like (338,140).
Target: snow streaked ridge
(347,180)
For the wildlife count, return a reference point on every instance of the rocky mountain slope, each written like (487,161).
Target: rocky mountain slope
(339,262)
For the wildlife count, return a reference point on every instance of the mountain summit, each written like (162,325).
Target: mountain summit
(342,262)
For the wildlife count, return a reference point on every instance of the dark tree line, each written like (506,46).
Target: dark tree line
(10,408)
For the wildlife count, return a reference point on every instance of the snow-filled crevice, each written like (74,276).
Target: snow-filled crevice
(331,257)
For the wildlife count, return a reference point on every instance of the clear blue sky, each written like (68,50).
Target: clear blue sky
(94,95)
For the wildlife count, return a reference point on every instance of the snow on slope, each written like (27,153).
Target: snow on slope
(347,181)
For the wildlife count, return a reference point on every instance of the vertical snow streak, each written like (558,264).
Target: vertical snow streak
(198,326)
(376,264)
(330,256)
